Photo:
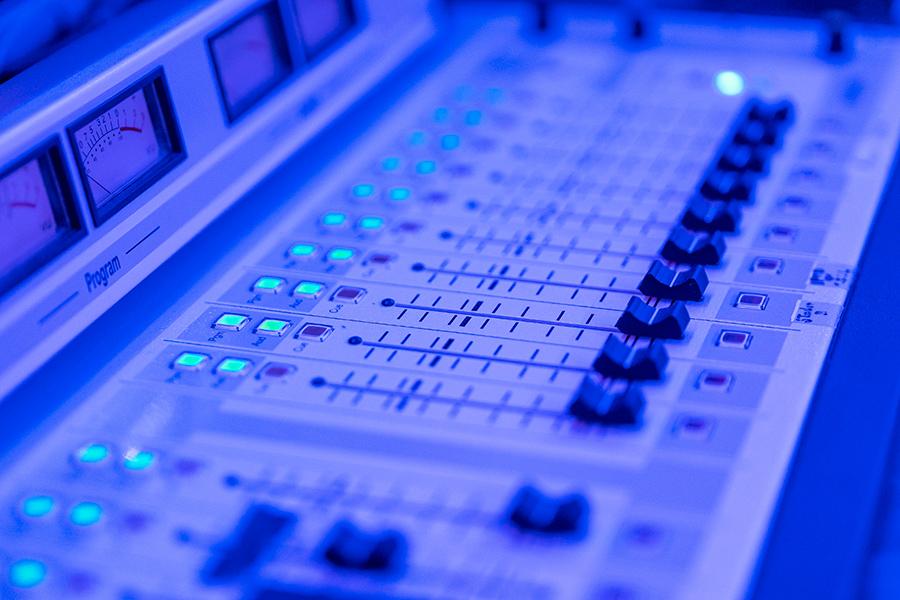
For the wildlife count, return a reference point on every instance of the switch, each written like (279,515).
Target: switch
(687,247)
(663,282)
(269,285)
(616,404)
(234,367)
(348,294)
(190,361)
(273,327)
(532,510)
(231,322)
(618,360)
(709,216)
(728,185)
(313,332)
(642,320)
(349,547)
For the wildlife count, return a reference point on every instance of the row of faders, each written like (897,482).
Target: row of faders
(611,395)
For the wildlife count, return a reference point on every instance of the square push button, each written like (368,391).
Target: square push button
(190,361)
(715,381)
(234,367)
(734,339)
(781,234)
(751,301)
(333,220)
(302,251)
(348,294)
(762,264)
(231,322)
(370,224)
(308,289)
(313,332)
(269,285)
(274,327)
(341,255)
(692,428)
(276,371)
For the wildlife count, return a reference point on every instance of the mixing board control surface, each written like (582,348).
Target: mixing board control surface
(550,329)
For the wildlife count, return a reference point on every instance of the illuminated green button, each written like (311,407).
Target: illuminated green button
(334,219)
(231,322)
(269,285)
(190,361)
(450,141)
(400,194)
(27,573)
(234,367)
(37,506)
(370,223)
(363,190)
(426,167)
(273,327)
(391,163)
(417,138)
(302,250)
(85,514)
(309,289)
(473,117)
(341,254)
(441,115)
(93,453)
(138,460)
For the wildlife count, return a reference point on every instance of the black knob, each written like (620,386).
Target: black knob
(705,215)
(728,185)
(741,158)
(617,404)
(663,282)
(642,320)
(349,547)
(780,113)
(693,248)
(618,360)
(532,510)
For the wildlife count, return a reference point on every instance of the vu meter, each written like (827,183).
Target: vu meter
(125,146)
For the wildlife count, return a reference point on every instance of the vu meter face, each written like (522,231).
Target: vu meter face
(27,222)
(118,146)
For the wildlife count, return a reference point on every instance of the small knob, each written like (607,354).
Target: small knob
(693,248)
(618,404)
(532,510)
(618,360)
(663,282)
(349,547)
(642,320)
(705,215)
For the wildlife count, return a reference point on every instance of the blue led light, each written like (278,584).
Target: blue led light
(363,190)
(85,514)
(450,142)
(392,163)
(400,194)
(37,506)
(473,117)
(426,167)
(27,573)
(729,83)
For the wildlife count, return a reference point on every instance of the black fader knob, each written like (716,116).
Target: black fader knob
(348,547)
(693,248)
(663,282)
(742,158)
(617,404)
(779,113)
(705,215)
(642,320)
(726,186)
(618,360)
(532,510)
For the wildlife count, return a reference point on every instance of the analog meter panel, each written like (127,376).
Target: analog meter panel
(37,216)
(126,146)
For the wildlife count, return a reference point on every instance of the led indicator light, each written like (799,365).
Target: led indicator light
(417,138)
(37,506)
(390,164)
(363,190)
(302,250)
(371,223)
(233,367)
(473,117)
(27,573)
(450,141)
(334,219)
(85,514)
(138,460)
(308,288)
(93,453)
(273,327)
(426,167)
(729,83)
(340,254)
(271,285)
(232,322)
(400,194)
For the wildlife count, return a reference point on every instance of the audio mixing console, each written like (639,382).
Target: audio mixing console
(549,328)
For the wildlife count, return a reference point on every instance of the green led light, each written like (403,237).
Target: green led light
(233,366)
(371,223)
(473,117)
(417,138)
(426,167)
(190,360)
(302,250)
(450,142)
(85,514)
(334,219)
(729,83)
(269,284)
(340,254)
(37,506)
(441,115)
(93,453)
(399,194)
(363,190)
(232,321)
(308,288)
(27,573)
(390,164)
(140,460)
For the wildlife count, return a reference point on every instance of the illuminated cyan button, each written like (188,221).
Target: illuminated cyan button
(729,83)
(417,138)
(36,507)
(426,167)
(27,573)
(190,361)
(392,163)
(399,194)
(370,223)
(93,453)
(269,285)
(340,255)
(363,190)
(473,117)
(302,250)
(309,289)
(450,141)
(274,327)
(441,115)
(85,514)
(234,367)
(334,219)
(138,460)
(231,322)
